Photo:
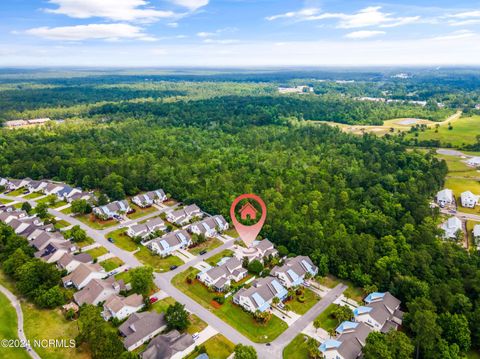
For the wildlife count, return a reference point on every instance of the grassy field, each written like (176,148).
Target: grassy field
(111,263)
(125,276)
(213,260)
(301,308)
(217,347)
(5,200)
(17,192)
(33,195)
(67,210)
(297,348)
(473,355)
(93,222)
(464,132)
(158,263)
(97,252)
(140,212)
(208,245)
(51,324)
(8,330)
(61,224)
(229,312)
(122,240)
(328,322)
(162,305)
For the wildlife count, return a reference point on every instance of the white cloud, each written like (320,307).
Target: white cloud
(220,41)
(464,22)
(466,14)
(191,5)
(456,35)
(465,18)
(364,34)
(206,34)
(369,16)
(110,32)
(116,10)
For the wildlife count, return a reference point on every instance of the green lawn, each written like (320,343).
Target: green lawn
(85,243)
(297,348)
(8,330)
(67,210)
(208,245)
(213,260)
(95,223)
(231,232)
(17,192)
(473,355)
(229,312)
(158,263)
(196,324)
(464,131)
(162,305)
(5,200)
(111,264)
(217,347)
(140,212)
(59,204)
(122,240)
(33,195)
(125,276)
(61,224)
(352,292)
(328,322)
(97,252)
(50,324)
(311,299)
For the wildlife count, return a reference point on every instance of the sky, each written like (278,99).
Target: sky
(238,33)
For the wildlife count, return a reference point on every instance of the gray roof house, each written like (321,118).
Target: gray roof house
(70,262)
(167,345)
(170,242)
(149,198)
(98,290)
(451,227)
(349,342)
(260,295)
(121,307)
(261,250)
(293,271)
(209,226)
(221,276)
(83,274)
(141,327)
(145,229)
(55,250)
(469,200)
(184,215)
(381,312)
(112,209)
(445,197)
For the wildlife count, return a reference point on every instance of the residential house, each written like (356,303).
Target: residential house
(112,209)
(476,234)
(170,242)
(66,192)
(79,195)
(349,342)
(221,276)
(260,294)
(184,215)
(83,274)
(3,182)
(469,200)
(165,346)
(451,227)
(149,198)
(445,197)
(8,216)
(37,186)
(381,312)
(40,241)
(70,262)
(121,307)
(140,328)
(52,188)
(98,290)
(473,162)
(292,273)
(145,229)
(261,250)
(55,250)
(14,184)
(209,227)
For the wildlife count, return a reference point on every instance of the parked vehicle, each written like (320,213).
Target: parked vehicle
(173,267)
(110,239)
(153,300)
(203,252)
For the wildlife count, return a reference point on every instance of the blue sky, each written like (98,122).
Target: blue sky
(238,33)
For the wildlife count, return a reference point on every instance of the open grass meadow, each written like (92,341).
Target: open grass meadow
(232,314)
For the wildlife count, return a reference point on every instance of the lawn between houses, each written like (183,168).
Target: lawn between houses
(230,313)
(158,263)
(208,245)
(196,324)
(111,264)
(297,348)
(327,320)
(140,212)
(95,223)
(122,240)
(217,347)
(352,292)
(309,300)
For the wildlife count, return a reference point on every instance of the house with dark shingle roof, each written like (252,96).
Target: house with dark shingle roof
(349,342)
(381,312)
(167,345)
(121,307)
(140,328)
(70,262)
(98,290)
(83,274)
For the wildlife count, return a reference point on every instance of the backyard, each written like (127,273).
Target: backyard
(95,223)
(97,252)
(229,312)
(213,260)
(309,300)
(327,320)
(352,292)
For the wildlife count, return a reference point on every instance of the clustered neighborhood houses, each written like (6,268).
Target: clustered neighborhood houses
(26,123)
(150,198)
(294,270)
(220,277)
(260,295)
(184,215)
(144,230)
(380,313)
(116,209)
(171,242)
(209,227)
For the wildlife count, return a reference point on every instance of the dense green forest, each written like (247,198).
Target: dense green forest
(358,205)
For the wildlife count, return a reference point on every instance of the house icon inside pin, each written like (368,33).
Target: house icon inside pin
(248,211)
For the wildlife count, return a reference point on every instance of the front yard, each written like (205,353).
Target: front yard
(217,347)
(111,263)
(61,224)
(122,240)
(213,260)
(158,263)
(327,320)
(140,212)
(229,312)
(97,252)
(309,300)
(33,195)
(95,223)
(208,245)
(297,348)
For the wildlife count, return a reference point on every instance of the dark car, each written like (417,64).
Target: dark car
(110,239)
(203,252)
(173,267)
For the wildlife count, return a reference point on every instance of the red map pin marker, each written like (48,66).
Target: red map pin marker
(248,233)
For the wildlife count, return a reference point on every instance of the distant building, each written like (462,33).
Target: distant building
(473,162)
(295,90)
